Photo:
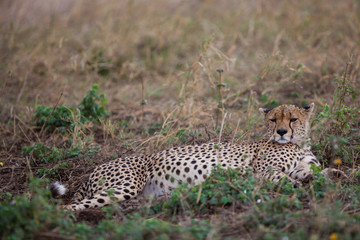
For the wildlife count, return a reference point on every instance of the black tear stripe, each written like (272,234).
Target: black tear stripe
(274,130)
(292,131)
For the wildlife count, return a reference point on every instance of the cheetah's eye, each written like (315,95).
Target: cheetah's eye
(273,120)
(293,119)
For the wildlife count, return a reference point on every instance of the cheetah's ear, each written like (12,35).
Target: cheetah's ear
(309,109)
(264,111)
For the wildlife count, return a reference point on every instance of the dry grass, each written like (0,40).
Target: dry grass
(287,51)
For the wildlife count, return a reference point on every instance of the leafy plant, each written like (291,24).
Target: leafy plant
(274,213)
(338,133)
(182,134)
(60,119)
(24,217)
(327,221)
(43,153)
(47,154)
(52,171)
(223,187)
(100,63)
(92,107)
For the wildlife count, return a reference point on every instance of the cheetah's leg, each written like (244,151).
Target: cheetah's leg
(81,194)
(302,171)
(275,174)
(332,173)
(99,200)
(121,192)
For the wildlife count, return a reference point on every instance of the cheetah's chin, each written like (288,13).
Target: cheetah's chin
(282,141)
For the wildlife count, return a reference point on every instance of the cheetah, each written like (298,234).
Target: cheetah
(284,152)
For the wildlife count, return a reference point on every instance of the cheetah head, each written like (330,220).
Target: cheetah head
(288,123)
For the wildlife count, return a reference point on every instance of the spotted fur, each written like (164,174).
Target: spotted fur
(280,154)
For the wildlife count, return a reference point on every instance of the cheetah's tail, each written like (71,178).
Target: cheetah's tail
(57,189)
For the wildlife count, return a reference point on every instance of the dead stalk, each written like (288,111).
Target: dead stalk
(143,100)
(222,126)
(42,128)
(220,103)
(236,129)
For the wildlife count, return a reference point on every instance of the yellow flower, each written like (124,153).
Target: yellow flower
(337,161)
(1,164)
(333,236)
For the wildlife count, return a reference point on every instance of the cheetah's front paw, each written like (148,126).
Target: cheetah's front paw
(67,207)
(297,184)
(308,178)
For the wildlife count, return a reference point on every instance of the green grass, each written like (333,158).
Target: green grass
(265,210)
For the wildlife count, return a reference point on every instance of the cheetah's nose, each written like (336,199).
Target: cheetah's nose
(281,132)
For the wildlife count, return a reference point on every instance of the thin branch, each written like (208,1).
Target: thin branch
(42,128)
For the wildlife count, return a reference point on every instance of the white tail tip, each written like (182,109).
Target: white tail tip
(57,189)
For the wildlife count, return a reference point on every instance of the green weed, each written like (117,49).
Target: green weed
(47,154)
(100,64)
(92,107)
(63,118)
(24,217)
(52,171)
(327,221)
(222,188)
(338,135)
(43,153)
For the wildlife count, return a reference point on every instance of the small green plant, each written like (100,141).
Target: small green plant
(63,118)
(273,220)
(34,217)
(47,154)
(223,187)
(52,171)
(269,103)
(92,107)
(24,217)
(43,153)
(60,119)
(274,213)
(182,134)
(272,104)
(100,63)
(137,227)
(320,183)
(338,133)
